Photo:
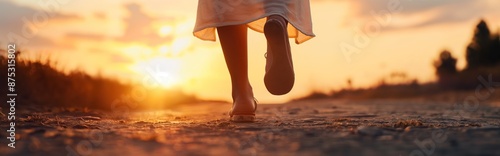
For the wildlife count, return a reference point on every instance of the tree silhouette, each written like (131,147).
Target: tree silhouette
(482,55)
(483,50)
(495,47)
(446,69)
(446,65)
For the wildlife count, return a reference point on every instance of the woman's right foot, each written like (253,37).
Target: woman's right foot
(243,110)
(279,77)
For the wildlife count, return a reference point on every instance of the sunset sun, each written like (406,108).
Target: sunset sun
(164,72)
(165,30)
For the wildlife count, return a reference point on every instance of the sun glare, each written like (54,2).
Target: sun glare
(180,44)
(164,49)
(163,71)
(162,63)
(137,51)
(165,30)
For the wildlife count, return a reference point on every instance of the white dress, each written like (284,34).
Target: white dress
(253,13)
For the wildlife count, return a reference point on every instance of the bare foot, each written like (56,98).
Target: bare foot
(243,101)
(244,105)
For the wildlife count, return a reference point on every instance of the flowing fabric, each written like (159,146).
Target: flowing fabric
(216,13)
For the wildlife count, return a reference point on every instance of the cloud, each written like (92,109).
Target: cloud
(117,58)
(100,15)
(21,24)
(364,7)
(139,27)
(444,11)
(85,36)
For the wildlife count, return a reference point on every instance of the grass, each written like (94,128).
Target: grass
(463,82)
(39,84)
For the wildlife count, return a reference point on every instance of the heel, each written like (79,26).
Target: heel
(243,116)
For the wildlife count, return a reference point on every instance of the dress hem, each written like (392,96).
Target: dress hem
(246,22)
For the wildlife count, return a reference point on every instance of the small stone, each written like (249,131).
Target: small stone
(293,146)
(294,111)
(51,134)
(386,137)
(90,118)
(310,134)
(80,127)
(68,133)
(344,134)
(142,122)
(407,129)
(315,111)
(68,141)
(38,131)
(308,120)
(223,124)
(369,131)
(406,123)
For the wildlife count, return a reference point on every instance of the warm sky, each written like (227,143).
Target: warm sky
(129,39)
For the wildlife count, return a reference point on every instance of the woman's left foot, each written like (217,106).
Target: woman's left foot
(279,77)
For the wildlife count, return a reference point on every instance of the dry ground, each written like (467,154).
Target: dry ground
(312,127)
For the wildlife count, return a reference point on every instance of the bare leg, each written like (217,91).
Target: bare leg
(233,40)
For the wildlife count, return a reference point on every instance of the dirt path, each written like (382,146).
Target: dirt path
(313,127)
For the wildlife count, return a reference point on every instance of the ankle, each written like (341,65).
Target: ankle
(243,94)
(279,18)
